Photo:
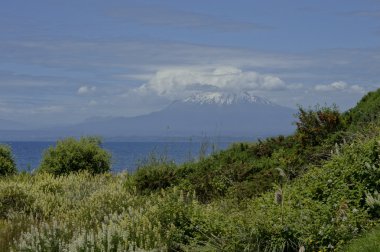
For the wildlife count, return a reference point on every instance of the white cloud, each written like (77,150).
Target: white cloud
(180,82)
(92,103)
(339,86)
(86,90)
(358,89)
(51,109)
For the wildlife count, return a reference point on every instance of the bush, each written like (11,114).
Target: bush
(7,163)
(152,178)
(367,110)
(369,242)
(71,155)
(14,198)
(321,210)
(314,126)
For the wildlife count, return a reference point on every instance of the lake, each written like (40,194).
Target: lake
(125,155)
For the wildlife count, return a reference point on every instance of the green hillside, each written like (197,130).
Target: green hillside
(367,110)
(316,190)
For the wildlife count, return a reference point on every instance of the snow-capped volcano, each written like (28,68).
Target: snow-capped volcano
(211,114)
(223,98)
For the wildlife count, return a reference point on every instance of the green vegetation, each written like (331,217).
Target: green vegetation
(316,190)
(314,126)
(370,242)
(71,155)
(367,110)
(7,163)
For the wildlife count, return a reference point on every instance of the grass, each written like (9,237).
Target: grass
(368,242)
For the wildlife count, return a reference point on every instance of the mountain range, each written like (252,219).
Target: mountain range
(204,114)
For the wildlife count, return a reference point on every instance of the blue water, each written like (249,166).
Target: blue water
(125,155)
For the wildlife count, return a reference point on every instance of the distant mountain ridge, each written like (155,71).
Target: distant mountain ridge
(204,114)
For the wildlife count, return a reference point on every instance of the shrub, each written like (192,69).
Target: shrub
(152,178)
(7,163)
(14,198)
(114,234)
(367,110)
(314,126)
(321,210)
(369,242)
(71,155)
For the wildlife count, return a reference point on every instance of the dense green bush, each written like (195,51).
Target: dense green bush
(367,110)
(369,242)
(152,178)
(313,126)
(71,155)
(13,199)
(319,211)
(7,163)
(242,171)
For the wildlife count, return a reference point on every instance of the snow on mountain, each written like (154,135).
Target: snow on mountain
(222,98)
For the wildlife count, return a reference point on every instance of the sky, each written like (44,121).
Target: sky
(62,62)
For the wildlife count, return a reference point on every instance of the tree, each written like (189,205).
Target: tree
(71,155)
(7,163)
(313,126)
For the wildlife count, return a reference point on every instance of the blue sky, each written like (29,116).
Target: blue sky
(65,61)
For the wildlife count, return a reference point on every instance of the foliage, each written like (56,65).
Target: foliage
(157,172)
(325,207)
(313,126)
(369,242)
(319,211)
(367,110)
(14,198)
(373,201)
(81,211)
(71,155)
(244,170)
(7,163)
